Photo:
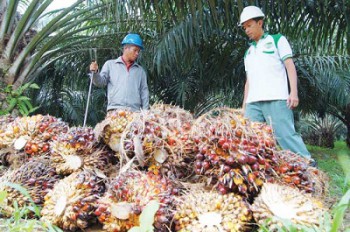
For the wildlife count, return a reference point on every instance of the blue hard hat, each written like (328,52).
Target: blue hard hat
(134,39)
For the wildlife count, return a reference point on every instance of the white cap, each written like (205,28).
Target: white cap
(250,12)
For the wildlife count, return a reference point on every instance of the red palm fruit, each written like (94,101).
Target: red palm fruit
(253,150)
(198,164)
(45,147)
(238,133)
(225,146)
(255,166)
(244,142)
(251,159)
(206,165)
(222,190)
(221,141)
(200,157)
(233,147)
(204,150)
(230,160)
(97,212)
(42,129)
(34,147)
(283,169)
(267,165)
(122,113)
(242,159)
(287,179)
(261,160)
(196,139)
(242,188)
(226,169)
(296,180)
(171,141)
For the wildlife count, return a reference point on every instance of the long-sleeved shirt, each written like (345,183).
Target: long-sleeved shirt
(126,89)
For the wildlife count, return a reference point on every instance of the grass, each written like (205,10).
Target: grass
(336,162)
(328,162)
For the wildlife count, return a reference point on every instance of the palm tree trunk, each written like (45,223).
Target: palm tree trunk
(347,123)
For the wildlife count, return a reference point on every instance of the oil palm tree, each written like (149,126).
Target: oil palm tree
(26,49)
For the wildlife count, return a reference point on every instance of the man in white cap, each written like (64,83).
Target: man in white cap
(269,66)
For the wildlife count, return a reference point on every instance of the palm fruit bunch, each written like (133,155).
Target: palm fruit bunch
(179,122)
(46,130)
(159,139)
(4,120)
(24,129)
(25,137)
(36,176)
(101,161)
(13,159)
(234,154)
(71,204)
(68,150)
(128,194)
(200,211)
(281,203)
(320,182)
(179,146)
(293,170)
(21,127)
(112,127)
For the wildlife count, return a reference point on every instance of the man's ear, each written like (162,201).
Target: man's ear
(261,22)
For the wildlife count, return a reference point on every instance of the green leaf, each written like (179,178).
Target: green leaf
(12,104)
(23,109)
(33,109)
(147,215)
(22,88)
(23,98)
(34,86)
(8,89)
(3,195)
(344,161)
(339,211)
(28,104)
(135,229)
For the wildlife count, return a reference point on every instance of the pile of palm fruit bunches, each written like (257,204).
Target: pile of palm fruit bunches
(217,172)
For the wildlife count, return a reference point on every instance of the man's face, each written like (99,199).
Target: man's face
(131,52)
(253,29)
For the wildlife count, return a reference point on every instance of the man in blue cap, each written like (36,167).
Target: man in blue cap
(125,79)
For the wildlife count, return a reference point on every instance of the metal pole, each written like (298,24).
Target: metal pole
(88,100)
(90,87)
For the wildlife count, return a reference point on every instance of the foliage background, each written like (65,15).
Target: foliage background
(193,52)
